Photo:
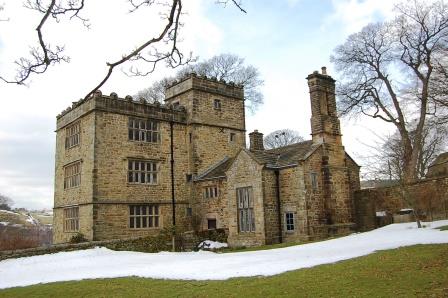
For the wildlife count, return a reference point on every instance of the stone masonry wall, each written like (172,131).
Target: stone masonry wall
(81,194)
(213,208)
(430,197)
(208,125)
(315,204)
(245,172)
(292,194)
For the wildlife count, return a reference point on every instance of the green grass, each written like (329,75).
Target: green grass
(443,228)
(417,271)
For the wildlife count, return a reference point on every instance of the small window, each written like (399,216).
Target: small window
(176,104)
(72,175)
(72,135)
(211,192)
(190,136)
(144,216)
(140,171)
(289,219)
(189,177)
(211,223)
(232,137)
(144,130)
(313,177)
(217,104)
(189,211)
(71,219)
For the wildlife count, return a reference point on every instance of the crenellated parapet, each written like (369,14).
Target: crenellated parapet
(211,85)
(127,106)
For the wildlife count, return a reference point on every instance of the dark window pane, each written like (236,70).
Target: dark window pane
(131,222)
(144,222)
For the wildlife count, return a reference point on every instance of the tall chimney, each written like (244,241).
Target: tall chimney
(256,141)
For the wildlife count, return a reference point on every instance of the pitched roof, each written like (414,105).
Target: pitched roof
(441,159)
(218,170)
(273,158)
(286,155)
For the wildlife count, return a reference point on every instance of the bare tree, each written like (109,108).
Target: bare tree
(282,137)
(387,163)
(5,202)
(387,70)
(227,67)
(148,52)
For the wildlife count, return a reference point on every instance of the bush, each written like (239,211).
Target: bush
(161,242)
(78,238)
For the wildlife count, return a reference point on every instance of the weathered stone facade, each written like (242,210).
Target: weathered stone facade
(125,185)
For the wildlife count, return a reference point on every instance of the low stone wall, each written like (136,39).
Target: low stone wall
(19,253)
(429,197)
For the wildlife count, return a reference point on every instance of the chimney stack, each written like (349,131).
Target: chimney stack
(256,141)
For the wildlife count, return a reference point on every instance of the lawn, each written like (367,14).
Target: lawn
(420,270)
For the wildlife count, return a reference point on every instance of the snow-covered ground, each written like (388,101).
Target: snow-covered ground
(105,263)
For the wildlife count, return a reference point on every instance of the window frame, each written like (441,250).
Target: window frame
(290,227)
(153,175)
(150,219)
(210,220)
(139,129)
(232,137)
(217,104)
(72,180)
(73,135)
(71,219)
(211,192)
(245,210)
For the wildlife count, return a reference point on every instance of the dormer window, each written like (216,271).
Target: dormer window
(217,104)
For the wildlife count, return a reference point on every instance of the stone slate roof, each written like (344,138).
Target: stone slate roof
(273,158)
(216,171)
(286,155)
(441,159)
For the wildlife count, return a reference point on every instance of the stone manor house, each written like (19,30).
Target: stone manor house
(120,164)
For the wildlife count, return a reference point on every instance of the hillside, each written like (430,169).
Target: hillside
(24,219)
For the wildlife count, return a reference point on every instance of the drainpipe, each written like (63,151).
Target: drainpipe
(173,199)
(277,193)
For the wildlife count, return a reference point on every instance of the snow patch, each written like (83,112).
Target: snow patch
(4,223)
(204,265)
(208,244)
(381,213)
(10,212)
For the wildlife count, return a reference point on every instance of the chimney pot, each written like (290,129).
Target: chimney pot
(324,70)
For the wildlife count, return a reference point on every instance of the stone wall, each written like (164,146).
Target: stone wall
(292,194)
(245,172)
(429,197)
(212,208)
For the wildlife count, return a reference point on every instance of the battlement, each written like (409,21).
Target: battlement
(205,84)
(127,105)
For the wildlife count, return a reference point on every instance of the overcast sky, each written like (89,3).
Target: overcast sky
(285,39)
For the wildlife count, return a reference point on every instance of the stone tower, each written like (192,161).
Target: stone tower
(215,118)
(325,130)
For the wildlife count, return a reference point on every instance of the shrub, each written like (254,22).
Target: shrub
(78,238)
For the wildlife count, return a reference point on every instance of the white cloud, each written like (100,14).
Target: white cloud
(355,14)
